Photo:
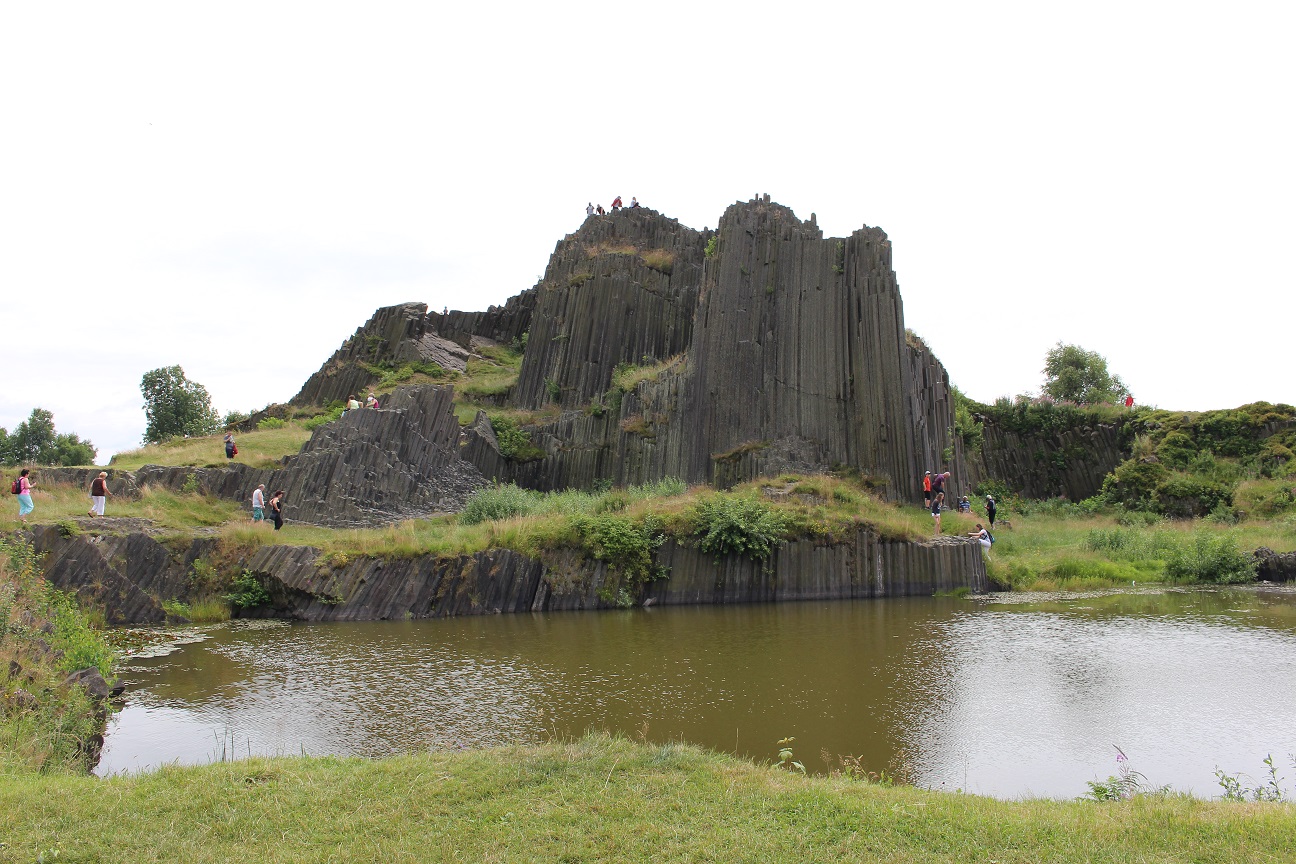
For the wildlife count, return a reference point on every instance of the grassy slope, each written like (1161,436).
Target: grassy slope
(596,799)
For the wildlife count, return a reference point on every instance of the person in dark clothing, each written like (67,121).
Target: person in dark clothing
(990,510)
(230,449)
(276,509)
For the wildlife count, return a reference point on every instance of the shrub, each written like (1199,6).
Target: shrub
(333,412)
(270,423)
(1133,484)
(497,502)
(247,591)
(1211,559)
(624,542)
(733,525)
(514,441)
(1182,496)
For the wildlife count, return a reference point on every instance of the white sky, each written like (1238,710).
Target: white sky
(236,187)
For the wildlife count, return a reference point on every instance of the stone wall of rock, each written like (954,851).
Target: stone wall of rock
(621,289)
(502,324)
(1069,463)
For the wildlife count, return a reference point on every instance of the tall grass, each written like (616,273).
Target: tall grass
(264,448)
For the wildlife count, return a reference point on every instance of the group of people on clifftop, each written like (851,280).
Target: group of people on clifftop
(592,209)
(933,486)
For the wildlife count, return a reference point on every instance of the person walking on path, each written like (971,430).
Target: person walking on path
(936,512)
(231,449)
(25,504)
(927,490)
(98,494)
(258,504)
(990,510)
(276,509)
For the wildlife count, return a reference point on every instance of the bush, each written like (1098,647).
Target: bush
(624,542)
(270,423)
(1133,484)
(732,525)
(497,502)
(514,441)
(333,412)
(247,591)
(1216,560)
(1184,497)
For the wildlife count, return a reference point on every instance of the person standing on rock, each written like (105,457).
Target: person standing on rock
(258,504)
(25,504)
(98,494)
(276,509)
(589,210)
(927,490)
(936,512)
(616,203)
(231,449)
(990,510)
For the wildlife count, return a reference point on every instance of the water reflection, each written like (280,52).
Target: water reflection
(991,697)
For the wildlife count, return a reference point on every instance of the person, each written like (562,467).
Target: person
(98,494)
(964,505)
(990,510)
(634,202)
(231,450)
(936,510)
(276,509)
(938,485)
(616,203)
(25,505)
(984,536)
(1129,401)
(599,210)
(927,490)
(589,210)
(371,401)
(353,404)
(258,504)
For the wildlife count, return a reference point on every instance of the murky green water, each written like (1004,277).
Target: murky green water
(1000,698)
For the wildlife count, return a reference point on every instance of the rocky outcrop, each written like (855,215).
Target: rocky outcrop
(127,575)
(305,585)
(1070,463)
(1274,566)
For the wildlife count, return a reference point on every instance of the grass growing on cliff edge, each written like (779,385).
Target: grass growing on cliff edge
(264,448)
(595,799)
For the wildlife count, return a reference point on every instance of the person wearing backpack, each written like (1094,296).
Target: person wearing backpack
(22,488)
(984,536)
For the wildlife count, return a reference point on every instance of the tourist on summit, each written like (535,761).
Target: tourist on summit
(634,202)
(599,210)
(231,450)
(276,509)
(990,510)
(371,401)
(98,494)
(23,487)
(616,203)
(258,504)
(589,210)
(984,536)
(927,489)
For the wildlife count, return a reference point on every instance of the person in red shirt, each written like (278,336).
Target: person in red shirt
(927,490)
(616,203)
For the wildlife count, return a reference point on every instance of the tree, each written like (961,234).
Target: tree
(35,442)
(1074,374)
(174,406)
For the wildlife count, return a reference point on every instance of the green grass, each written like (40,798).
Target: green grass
(261,449)
(595,799)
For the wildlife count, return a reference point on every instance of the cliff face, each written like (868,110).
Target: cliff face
(791,348)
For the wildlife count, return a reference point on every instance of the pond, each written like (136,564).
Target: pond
(1005,695)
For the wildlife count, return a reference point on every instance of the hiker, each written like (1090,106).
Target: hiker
(589,210)
(276,509)
(984,536)
(936,511)
(98,494)
(353,404)
(22,488)
(938,485)
(927,490)
(258,504)
(371,401)
(990,509)
(964,505)
(634,202)
(599,210)
(231,449)
(616,203)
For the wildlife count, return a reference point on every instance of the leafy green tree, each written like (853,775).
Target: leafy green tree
(35,442)
(1076,375)
(175,406)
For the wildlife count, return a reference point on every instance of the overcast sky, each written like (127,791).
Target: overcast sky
(236,187)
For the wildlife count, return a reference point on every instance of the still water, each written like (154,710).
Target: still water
(1014,695)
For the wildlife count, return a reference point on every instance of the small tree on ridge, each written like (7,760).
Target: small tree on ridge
(1074,374)
(174,406)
